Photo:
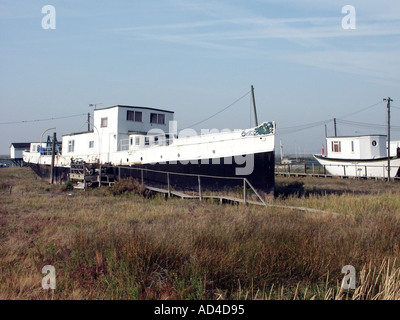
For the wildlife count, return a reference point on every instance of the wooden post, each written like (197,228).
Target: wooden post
(141,174)
(244,192)
(305,167)
(388,135)
(200,193)
(169,186)
(53,153)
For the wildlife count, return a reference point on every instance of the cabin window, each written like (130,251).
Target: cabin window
(352,146)
(134,116)
(146,141)
(91,144)
(158,118)
(71,145)
(336,146)
(131,141)
(104,122)
(155,140)
(137,141)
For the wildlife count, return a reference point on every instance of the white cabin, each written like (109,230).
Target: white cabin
(119,128)
(16,149)
(357,147)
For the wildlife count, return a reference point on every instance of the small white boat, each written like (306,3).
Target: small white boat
(360,156)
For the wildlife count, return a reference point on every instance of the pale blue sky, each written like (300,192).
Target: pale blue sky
(196,58)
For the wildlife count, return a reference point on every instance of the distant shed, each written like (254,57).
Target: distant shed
(16,149)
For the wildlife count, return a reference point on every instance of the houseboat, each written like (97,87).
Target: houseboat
(360,156)
(144,142)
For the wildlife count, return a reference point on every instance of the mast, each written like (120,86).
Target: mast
(254,107)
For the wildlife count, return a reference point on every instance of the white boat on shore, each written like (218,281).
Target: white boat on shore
(128,137)
(360,156)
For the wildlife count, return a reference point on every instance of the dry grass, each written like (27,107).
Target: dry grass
(131,247)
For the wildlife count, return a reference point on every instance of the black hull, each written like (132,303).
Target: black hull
(262,175)
(43,171)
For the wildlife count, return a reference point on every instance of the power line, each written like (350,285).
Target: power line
(319,123)
(39,120)
(366,125)
(363,109)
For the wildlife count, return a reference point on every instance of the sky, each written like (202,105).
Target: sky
(309,62)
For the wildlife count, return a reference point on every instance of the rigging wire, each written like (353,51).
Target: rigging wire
(39,120)
(217,113)
(304,126)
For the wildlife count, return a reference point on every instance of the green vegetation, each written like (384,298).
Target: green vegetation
(117,244)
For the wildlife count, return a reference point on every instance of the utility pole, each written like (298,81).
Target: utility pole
(88,121)
(388,133)
(326,142)
(53,153)
(254,106)
(334,126)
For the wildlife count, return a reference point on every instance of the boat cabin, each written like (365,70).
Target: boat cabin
(120,128)
(357,147)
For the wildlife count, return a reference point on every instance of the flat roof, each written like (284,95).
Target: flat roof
(20,144)
(359,136)
(77,133)
(135,107)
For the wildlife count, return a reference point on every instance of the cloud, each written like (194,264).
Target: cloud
(313,37)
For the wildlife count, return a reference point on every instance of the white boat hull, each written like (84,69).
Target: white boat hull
(369,168)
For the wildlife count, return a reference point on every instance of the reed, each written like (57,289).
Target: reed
(127,246)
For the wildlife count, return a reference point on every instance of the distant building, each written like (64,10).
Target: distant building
(17,148)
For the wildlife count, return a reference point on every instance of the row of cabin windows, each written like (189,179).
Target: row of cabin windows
(136,116)
(337,147)
(71,145)
(147,140)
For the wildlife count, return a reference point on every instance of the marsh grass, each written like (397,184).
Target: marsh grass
(121,245)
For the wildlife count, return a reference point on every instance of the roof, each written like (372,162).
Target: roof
(20,145)
(135,107)
(77,133)
(359,136)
